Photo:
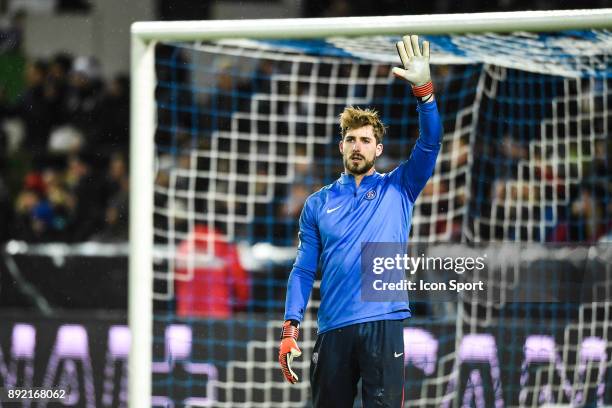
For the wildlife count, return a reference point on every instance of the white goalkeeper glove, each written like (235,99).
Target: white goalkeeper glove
(416,66)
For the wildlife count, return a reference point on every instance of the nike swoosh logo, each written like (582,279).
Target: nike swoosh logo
(331,210)
(396,355)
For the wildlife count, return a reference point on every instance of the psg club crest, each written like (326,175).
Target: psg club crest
(370,195)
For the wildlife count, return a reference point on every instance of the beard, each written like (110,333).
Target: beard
(360,167)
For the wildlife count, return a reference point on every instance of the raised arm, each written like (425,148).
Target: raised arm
(299,287)
(414,173)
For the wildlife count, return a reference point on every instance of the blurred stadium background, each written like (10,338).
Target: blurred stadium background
(246,130)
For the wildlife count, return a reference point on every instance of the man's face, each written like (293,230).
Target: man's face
(360,150)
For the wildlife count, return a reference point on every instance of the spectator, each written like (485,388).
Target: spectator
(62,202)
(209,279)
(43,208)
(23,228)
(116,176)
(262,77)
(58,84)
(586,222)
(295,201)
(223,102)
(34,108)
(84,98)
(84,184)
(115,220)
(11,37)
(115,115)
(115,227)
(232,94)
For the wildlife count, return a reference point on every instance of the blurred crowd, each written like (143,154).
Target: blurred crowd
(63,153)
(64,148)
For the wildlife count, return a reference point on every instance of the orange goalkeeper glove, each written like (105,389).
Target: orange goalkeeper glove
(289,349)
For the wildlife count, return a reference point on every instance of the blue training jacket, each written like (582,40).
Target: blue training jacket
(338,218)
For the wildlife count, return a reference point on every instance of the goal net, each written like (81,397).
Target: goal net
(246,129)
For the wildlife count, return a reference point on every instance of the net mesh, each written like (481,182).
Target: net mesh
(246,130)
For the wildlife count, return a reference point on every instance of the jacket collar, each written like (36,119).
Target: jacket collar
(346,178)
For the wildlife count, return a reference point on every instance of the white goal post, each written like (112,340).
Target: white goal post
(144,36)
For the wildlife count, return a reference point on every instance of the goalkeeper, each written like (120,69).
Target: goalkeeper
(359,339)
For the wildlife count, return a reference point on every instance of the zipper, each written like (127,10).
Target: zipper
(355,200)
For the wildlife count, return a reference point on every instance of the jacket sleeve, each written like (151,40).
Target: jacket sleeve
(304,269)
(413,173)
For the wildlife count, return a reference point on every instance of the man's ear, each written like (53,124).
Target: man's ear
(379,149)
(341,146)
